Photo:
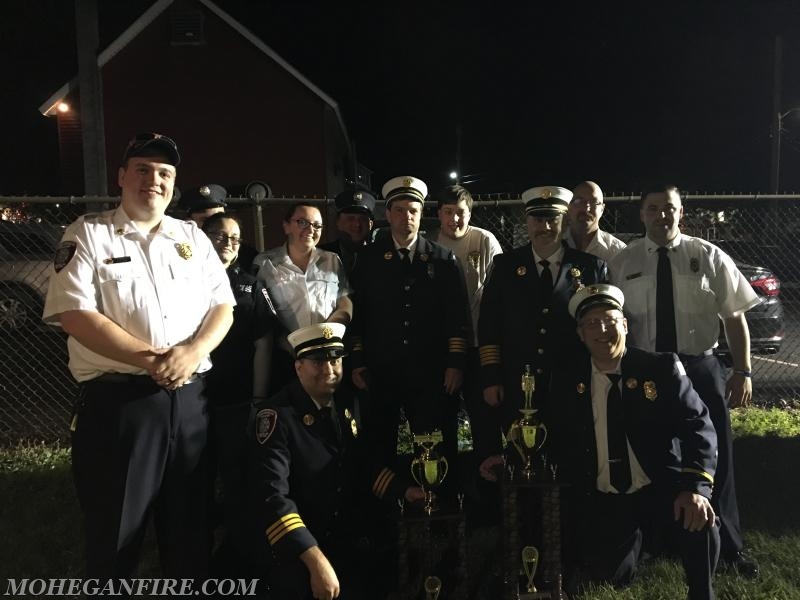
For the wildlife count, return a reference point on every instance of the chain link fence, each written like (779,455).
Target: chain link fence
(762,233)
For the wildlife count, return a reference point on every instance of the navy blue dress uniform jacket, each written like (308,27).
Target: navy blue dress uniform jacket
(515,328)
(308,473)
(667,425)
(418,319)
(231,379)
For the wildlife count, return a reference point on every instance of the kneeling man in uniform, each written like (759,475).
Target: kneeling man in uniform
(310,476)
(636,444)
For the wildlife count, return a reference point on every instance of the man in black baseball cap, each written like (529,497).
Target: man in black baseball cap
(354,220)
(204,201)
(152,144)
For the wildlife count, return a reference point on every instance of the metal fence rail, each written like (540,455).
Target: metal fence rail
(37,392)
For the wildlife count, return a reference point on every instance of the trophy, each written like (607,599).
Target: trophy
(428,468)
(433,585)
(524,433)
(530,560)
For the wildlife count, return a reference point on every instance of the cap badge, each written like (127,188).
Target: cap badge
(521,271)
(358,196)
(546,193)
(650,390)
(308,420)
(265,424)
(387,256)
(407,182)
(205,191)
(575,272)
(581,388)
(327,332)
(184,250)
(694,265)
(631,383)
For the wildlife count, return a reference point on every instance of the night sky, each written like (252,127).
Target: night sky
(542,95)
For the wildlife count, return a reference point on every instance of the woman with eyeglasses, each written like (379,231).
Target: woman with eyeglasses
(239,374)
(308,285)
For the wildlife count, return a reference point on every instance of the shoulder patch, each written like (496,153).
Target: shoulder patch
(63,255)
(266,419)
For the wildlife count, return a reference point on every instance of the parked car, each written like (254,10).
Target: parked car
(26,253)
(765,320)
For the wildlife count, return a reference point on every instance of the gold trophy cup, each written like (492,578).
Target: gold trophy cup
(527,434)
(530,560)
(433,585)
(428,468)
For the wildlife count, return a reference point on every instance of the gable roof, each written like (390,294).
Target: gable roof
(48,108)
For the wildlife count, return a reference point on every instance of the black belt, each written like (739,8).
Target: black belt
(689,358)
(131,379)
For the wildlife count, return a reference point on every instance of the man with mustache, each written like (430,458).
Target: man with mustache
(584,213)
(677,288)
(523,317)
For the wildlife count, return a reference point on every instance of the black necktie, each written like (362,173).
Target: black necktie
(618,463)
(666,337)
(405,257)
(545,281)
(329,416)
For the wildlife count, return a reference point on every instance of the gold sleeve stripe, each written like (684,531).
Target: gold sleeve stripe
(457,344)
(276,537)
(284,521)
(698,472)
(489,355)
(382,482)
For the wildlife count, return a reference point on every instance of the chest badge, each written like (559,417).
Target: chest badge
(694,265)
(354,428)
(387,256)
(521,271)
(474,258)
(575,273)
(581,388)
(184,250)
(631,383)
(650,390)
(308,420)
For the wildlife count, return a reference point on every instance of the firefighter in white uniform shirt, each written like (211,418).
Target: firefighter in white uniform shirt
(144,299)
(706,286)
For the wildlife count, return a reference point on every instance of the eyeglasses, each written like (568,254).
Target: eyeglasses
(607,322)
(303,224)
(587,203)
(224,240)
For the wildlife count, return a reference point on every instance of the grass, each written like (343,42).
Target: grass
(41,531)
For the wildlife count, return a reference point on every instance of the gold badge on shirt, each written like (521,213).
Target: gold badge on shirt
(521,271)
(650,390)
(184,250)
(631,383)
(308,420)
(575,273)
(474,259)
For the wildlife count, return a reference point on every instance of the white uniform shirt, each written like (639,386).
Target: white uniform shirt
(706,284)
(145,284)
(475,251)
(302,299)
(603,245)
(600,386)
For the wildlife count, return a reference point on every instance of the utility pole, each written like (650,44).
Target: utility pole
(91,115)
(777,117)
